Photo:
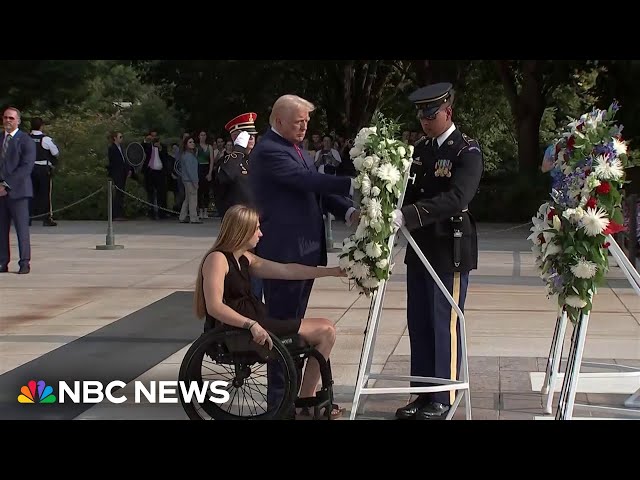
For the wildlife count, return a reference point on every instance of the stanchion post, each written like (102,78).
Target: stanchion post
(329,234)
(110,241)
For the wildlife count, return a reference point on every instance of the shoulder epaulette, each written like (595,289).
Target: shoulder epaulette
(469,144)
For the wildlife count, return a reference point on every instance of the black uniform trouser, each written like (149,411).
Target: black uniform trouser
(155,183)
(204,186)
(40,204)
(434,327)
(284,299)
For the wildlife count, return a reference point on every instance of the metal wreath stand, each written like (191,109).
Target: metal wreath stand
(566,401)
(373,322)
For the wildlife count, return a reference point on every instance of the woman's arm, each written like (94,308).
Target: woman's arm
(214,270)
(262,268)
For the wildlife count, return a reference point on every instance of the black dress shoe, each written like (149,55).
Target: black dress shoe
(49,223)
(410,410)
(433,411)
(24,269)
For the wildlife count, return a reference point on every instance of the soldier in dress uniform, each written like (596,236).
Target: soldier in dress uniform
(447,166)
(232,184)
(232,174)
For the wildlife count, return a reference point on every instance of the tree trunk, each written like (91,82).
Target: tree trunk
(529,143)
(527,108)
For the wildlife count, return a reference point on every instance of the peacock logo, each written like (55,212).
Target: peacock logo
(44,393)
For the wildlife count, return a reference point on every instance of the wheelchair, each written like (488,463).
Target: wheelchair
(229,354)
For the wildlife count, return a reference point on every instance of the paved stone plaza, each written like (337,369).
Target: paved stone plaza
(74,290)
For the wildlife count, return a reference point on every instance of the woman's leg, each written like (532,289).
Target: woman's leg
(321,334)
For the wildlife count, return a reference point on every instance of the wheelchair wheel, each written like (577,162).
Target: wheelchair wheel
(233,357)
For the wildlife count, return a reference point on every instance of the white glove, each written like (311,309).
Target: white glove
(398,220)
(242,139)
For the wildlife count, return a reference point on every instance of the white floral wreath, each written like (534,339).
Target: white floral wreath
(382,162)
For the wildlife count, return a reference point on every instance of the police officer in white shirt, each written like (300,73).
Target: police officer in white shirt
(46,160)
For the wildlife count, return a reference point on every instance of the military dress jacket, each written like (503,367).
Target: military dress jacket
(435,206)
(232,181)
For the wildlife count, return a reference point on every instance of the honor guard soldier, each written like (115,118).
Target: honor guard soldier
(46,160)
(232,184)
(446,171)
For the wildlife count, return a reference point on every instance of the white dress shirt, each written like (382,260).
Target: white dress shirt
(47,144)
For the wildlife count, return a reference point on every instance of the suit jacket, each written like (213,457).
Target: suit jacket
(162,153)
(16,166)
(287,190)
(118,166)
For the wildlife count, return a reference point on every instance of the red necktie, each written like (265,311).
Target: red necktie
(299,152)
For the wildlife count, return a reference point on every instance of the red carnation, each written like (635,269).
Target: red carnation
(603,188)
(571,142)
(613,228)
(591,203)
(606,245)
(551,213)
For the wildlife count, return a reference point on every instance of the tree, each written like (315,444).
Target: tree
(54,85)
(529,86)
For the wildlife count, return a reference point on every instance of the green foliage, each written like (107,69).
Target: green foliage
(115,100)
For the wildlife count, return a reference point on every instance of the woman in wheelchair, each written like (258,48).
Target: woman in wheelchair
(223,292)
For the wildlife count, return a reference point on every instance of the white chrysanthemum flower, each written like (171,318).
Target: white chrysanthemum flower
(376,161)
(345,263)
(373,250)
(358,255)
(375,191)
(370,282)
(584,269)
(575,301)
(360,270)
(594,221)
(374,209)
(619,147)
(401,151)
(382,263)
(389,173)
(606,170)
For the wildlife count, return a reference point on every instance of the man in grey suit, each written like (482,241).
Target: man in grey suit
(17,157)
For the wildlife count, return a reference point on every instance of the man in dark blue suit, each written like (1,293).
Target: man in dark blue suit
(17,158)
(288,191)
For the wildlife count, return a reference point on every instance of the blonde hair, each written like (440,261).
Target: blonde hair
(238,226)
(286,103)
